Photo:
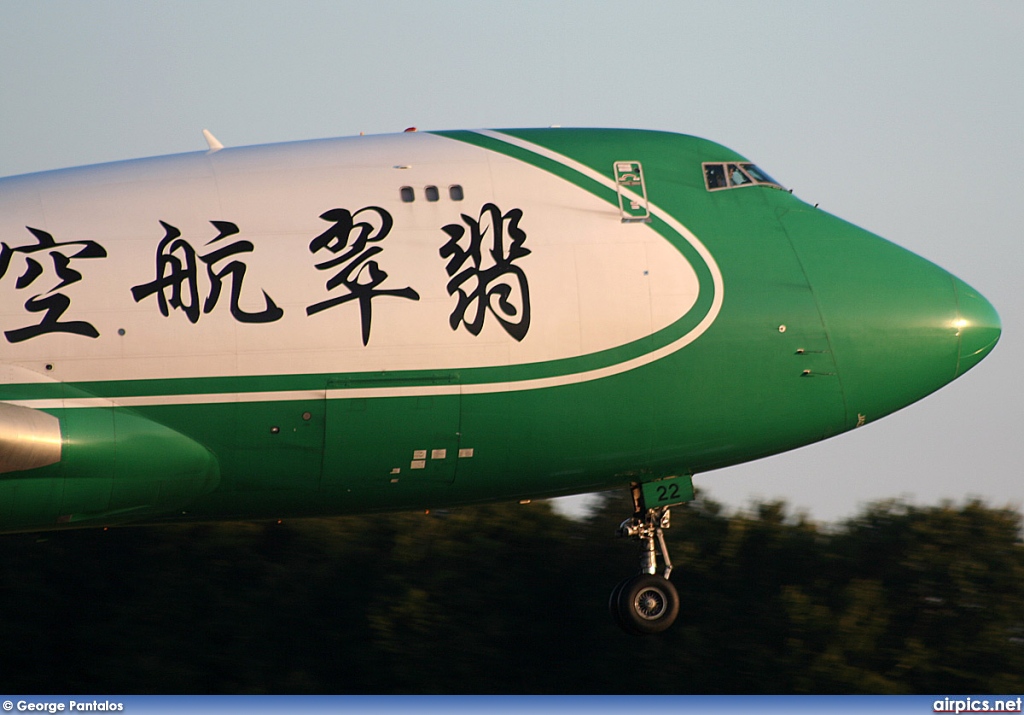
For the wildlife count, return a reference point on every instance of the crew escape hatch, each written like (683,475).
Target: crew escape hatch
(629,177)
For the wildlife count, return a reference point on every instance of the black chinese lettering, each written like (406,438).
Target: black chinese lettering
(177,278)
(359,272)
(50,302)
(236,270)
(488,281)
(175,271)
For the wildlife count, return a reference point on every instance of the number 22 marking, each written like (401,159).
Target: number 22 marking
(670,491)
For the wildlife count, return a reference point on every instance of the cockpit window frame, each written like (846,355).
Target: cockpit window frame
(751,177)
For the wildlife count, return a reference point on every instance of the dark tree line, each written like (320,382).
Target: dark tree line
(513,599)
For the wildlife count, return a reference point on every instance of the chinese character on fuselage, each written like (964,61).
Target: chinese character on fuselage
(488,281)
(177,277)
(359,272)
(49,301)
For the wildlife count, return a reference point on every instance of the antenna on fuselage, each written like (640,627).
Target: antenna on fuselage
(212,141)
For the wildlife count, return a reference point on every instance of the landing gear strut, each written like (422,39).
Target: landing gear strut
(647,602)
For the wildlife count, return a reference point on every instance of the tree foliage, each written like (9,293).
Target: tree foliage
(513,599)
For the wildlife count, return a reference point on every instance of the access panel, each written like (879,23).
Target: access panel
(382,429)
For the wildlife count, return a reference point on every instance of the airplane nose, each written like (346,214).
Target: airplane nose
(899,327)
(977,324)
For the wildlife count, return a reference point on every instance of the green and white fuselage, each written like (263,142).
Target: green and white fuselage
(430,319)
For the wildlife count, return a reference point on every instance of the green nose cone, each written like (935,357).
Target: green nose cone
(978,326)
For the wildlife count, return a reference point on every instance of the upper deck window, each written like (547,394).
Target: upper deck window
(723,175)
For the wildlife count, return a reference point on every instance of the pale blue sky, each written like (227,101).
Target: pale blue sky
(904,118)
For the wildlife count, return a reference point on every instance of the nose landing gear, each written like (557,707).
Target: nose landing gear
(648,602)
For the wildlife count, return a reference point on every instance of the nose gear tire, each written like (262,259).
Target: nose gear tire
(645,603)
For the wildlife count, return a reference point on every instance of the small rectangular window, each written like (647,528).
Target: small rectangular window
(714,174)
(408,195)
(455,192)
(431,193)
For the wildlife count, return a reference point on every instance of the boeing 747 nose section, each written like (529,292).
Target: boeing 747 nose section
(552,311)
(977,324)
(900,327)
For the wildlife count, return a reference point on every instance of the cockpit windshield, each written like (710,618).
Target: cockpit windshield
(724,175)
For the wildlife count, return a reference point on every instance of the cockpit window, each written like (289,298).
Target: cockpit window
(759,176)
(731,176)
(714,174)
(737,177)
